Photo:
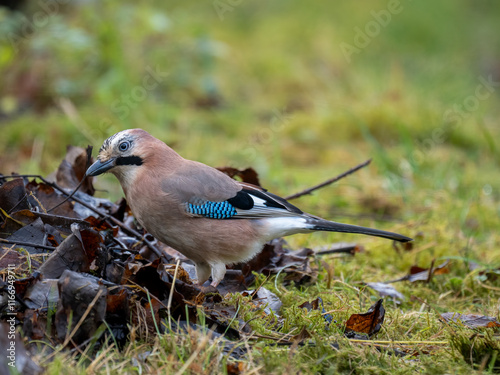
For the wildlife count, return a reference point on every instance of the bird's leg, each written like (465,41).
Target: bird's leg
(202,272)
(218,272)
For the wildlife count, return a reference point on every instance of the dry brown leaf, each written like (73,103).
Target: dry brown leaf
(368,323)
(79,292)
(13,195)
(471,320)
(72,170)
(424,274)
(386,290)
(248,175)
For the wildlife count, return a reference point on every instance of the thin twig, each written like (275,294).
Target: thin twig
(104,215)
(341,248)
(30,244)
(488,286)
(395,342)
(330,181)
(171,295)
(18,203)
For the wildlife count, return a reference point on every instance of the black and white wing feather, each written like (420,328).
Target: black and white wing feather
(251,202)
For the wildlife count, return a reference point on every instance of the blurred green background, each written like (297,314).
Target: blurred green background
(301,91)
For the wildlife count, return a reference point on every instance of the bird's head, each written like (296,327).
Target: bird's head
(123,152)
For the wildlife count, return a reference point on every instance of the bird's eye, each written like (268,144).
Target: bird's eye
(124,146)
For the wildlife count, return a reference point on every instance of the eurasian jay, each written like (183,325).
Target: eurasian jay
(209,217)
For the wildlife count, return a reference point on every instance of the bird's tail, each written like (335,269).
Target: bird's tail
(331,226)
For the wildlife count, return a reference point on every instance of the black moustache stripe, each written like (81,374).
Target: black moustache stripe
(129,160)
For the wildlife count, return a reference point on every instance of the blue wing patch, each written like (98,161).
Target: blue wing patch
(213,210)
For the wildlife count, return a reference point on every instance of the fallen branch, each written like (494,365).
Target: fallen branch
(348,248)
(30,244)
(330,181)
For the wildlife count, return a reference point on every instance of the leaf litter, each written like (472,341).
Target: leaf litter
(86,273)
(83,262)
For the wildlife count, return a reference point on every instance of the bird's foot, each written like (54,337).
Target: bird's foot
(215,283)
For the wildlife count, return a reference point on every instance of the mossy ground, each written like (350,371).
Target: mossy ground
(267,85)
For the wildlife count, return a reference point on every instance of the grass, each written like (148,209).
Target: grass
(268,86)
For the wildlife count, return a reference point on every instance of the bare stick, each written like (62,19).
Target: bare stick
(348,248)
(30,244)
(330,181)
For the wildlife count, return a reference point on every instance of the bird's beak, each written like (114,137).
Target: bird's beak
(100,167)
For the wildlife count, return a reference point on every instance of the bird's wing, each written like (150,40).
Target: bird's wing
(206,192)
(254,202)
